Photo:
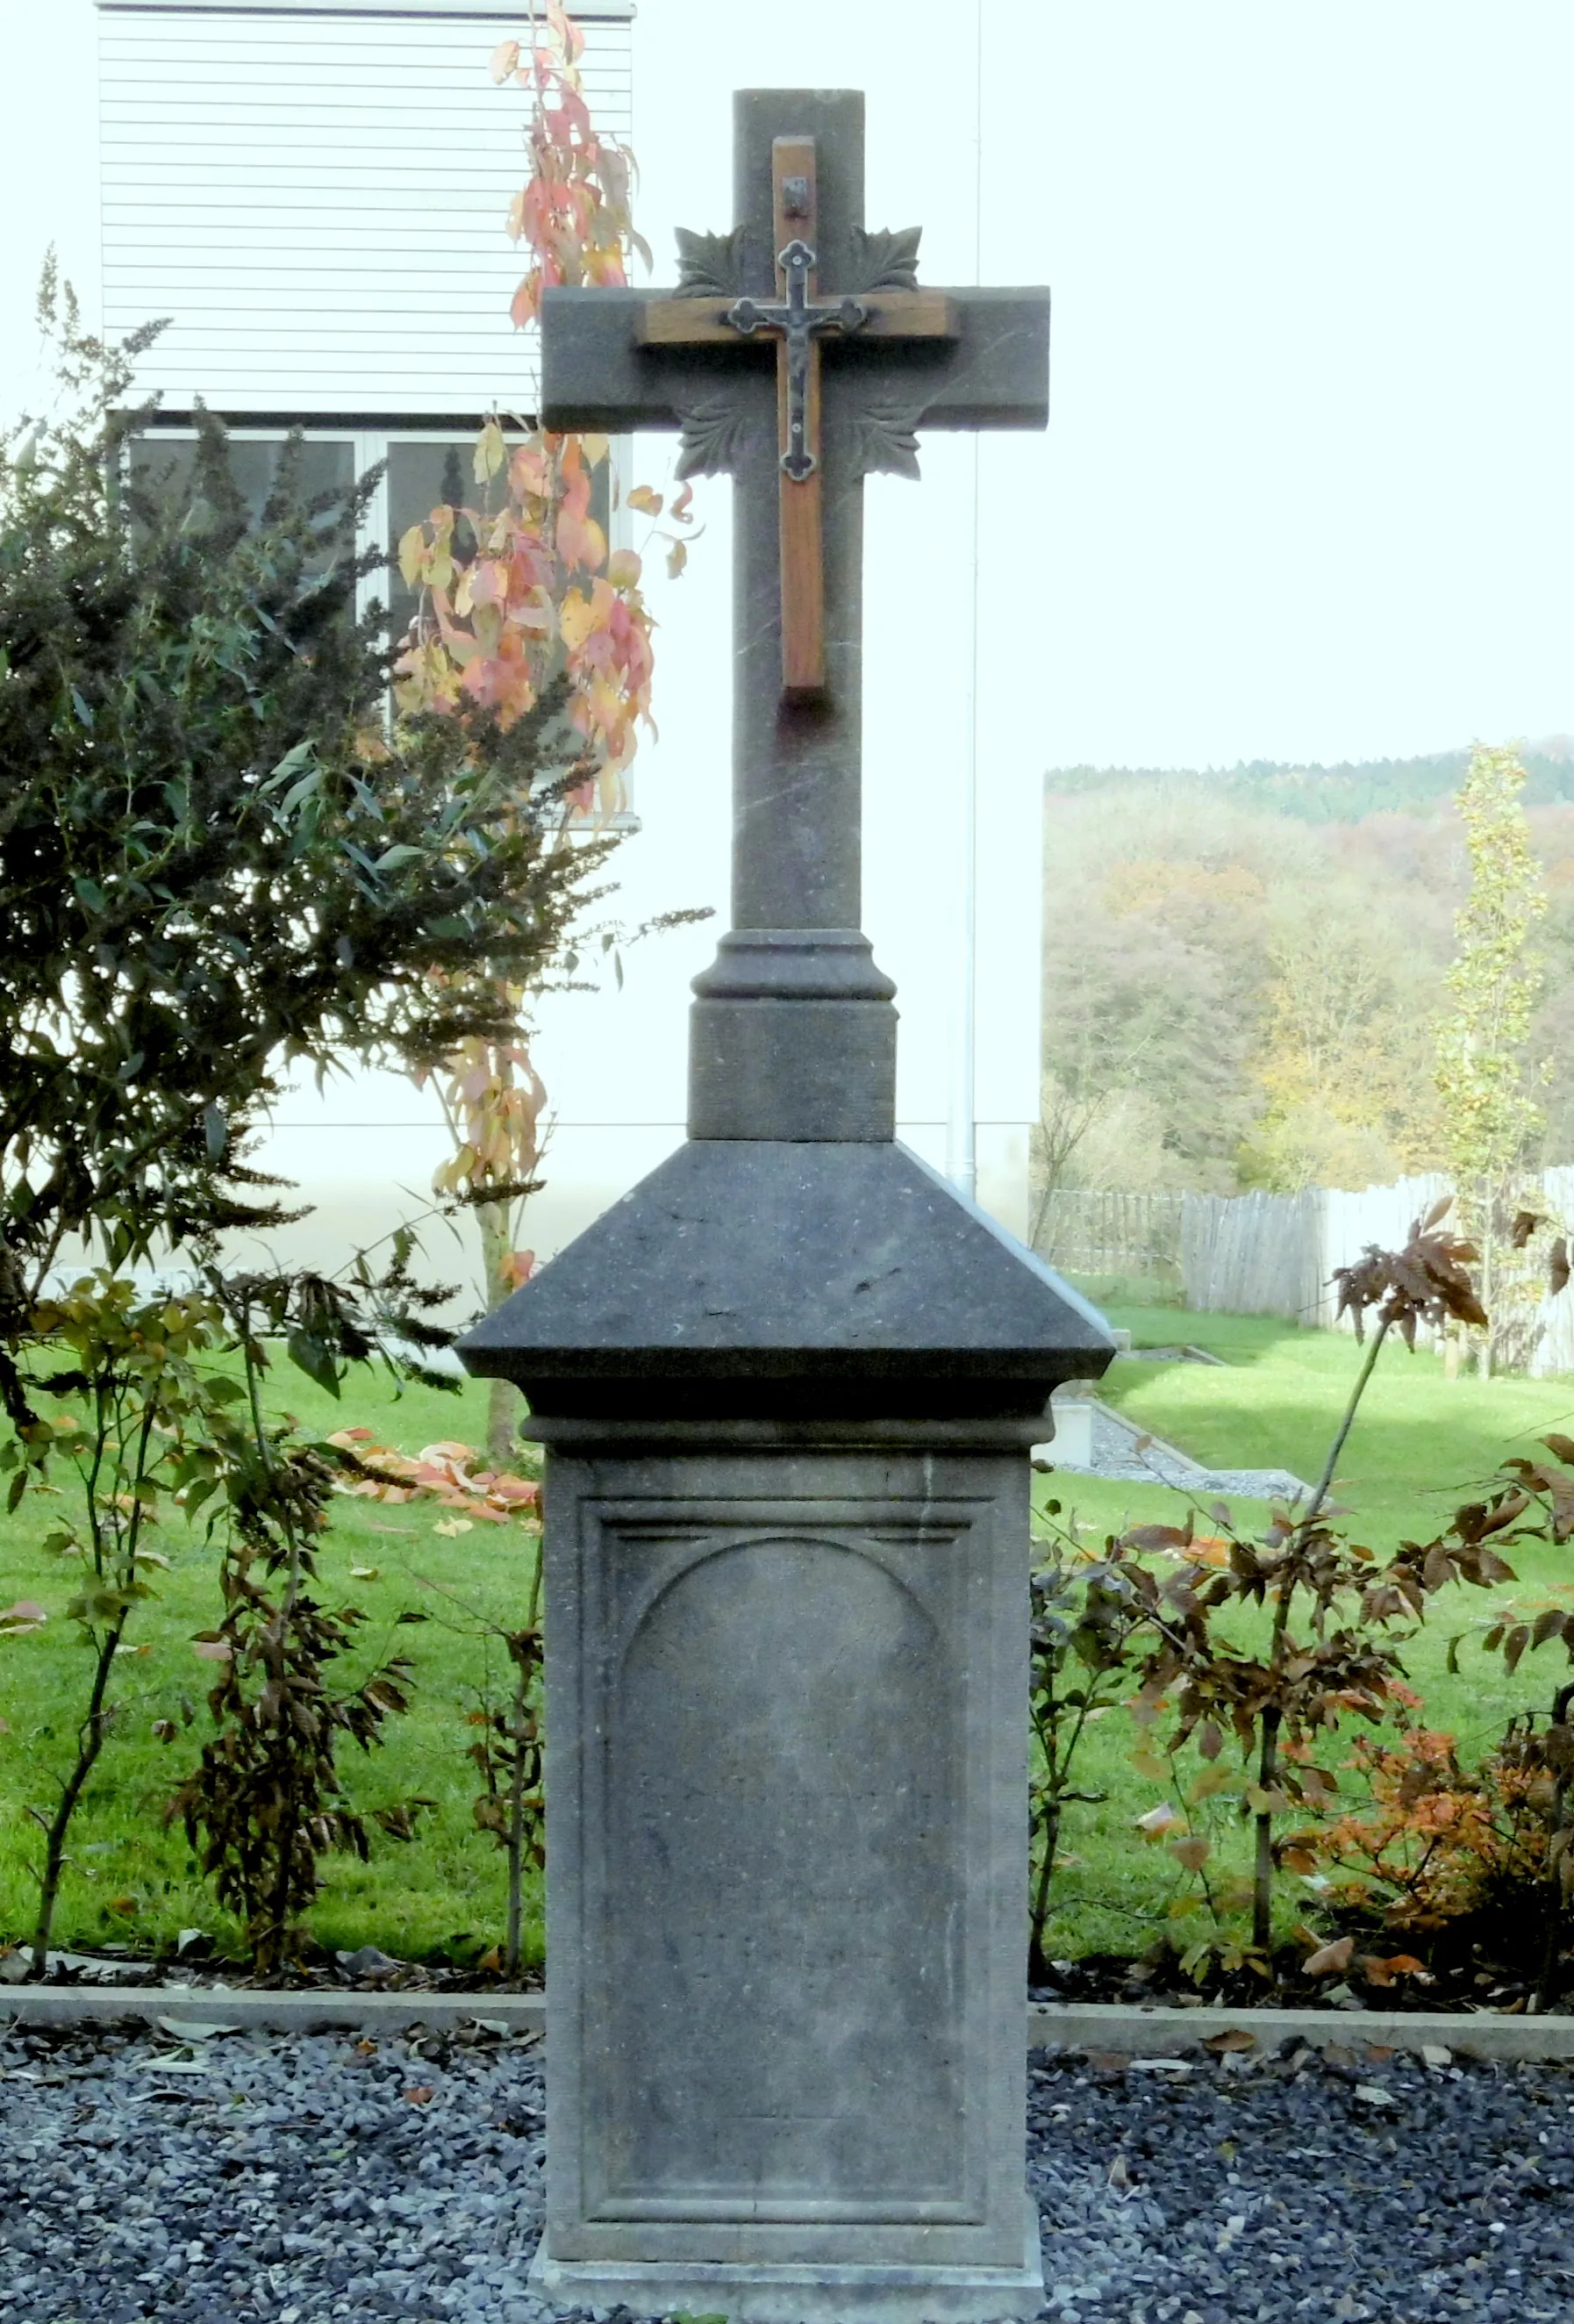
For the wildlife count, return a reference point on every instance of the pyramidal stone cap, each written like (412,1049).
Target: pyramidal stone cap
(764,1277)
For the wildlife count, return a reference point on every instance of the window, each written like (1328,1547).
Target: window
(422,469)
(328,465)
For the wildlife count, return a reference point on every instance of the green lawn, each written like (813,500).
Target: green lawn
(413,1898)
(1420,1443)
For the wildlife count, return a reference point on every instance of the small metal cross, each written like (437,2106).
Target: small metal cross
(797,321)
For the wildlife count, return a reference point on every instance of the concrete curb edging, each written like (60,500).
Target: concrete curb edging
(1112,2027)
(292,2013)
(1104,2029)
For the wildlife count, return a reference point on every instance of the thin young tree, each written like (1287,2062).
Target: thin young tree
(1490,1119)
(519,591)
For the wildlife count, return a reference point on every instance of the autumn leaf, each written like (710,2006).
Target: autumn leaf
(490,453)
(580,541)
(1192,1853)
(1150,1537)
(422,2094)
(1332,1960)
(648,502)
(1208,1549)
(412,554)
(576,619)
(1383,1972)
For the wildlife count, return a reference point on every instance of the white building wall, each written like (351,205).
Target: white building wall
(316,197)
(614,1061)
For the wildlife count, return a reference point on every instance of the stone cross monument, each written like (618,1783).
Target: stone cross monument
(788,1386)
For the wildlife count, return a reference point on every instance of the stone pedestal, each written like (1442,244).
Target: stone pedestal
(788,1860)
(787,1392)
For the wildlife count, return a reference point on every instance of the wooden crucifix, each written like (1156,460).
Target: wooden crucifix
(797,354)
(797,321)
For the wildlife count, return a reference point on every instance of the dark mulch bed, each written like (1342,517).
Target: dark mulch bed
(1465,1966)
(367,1970)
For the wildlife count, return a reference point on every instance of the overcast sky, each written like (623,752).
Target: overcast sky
(1307,489)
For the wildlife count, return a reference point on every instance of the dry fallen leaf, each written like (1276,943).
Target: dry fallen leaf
(1383,1972)
(422,2094)
(1331,1960)
(1158,1821)
(1234,2037)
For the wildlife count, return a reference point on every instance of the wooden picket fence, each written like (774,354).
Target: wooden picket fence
(1084,1232)
(1269,1254)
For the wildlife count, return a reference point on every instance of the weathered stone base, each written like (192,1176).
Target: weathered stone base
(802,2294)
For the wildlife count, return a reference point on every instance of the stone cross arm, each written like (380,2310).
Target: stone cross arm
(599,370)
(797,352)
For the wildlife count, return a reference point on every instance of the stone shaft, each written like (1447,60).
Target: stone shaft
(797,810)
(774,1053)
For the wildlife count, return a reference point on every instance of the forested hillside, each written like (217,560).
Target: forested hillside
(1243,970)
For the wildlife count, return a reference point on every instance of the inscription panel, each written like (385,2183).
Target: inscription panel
(777,1919)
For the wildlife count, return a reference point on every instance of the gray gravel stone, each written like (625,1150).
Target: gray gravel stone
(305,2180)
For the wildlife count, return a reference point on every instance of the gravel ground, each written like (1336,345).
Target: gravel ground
(1116,1455)
(279,2179)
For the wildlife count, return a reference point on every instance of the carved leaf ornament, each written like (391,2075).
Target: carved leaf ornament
(885,440)
(712,439)
(885,260)
(709,266)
